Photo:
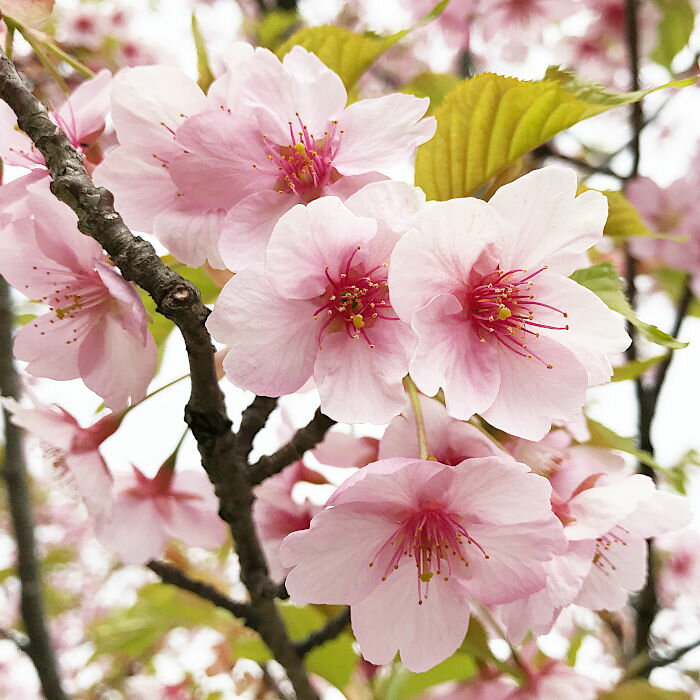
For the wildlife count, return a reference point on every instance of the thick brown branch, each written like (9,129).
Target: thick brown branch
(14,471)
(307,437)
(180,301)
(329,631)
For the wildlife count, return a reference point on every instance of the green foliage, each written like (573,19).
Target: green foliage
(433,85)
(489,121)
(403,685)
(675,28)
(677,475)
(604,282)
(347,53)
(275,27)
(623,219)
(642,690)
(602,436)
(635,369)
(136,631)
(204,75)
(335,660)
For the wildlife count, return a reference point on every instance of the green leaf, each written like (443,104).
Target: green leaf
(642,690)
(674,30)
(404,685)
(635,369)
(433,85)
(275,27)
(346,53)
(602,436)
(677,475)
(204,75)
(604,282)
(489,121)
(623,219)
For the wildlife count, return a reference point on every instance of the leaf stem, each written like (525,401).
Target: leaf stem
(418,414)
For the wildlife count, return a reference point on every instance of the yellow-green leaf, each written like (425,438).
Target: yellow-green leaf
(204,75)
(675,28)
(489,121)
(635,369)
(604,282)
(276,27)
(602,436)
(346,53)
(404,685)
(433,85)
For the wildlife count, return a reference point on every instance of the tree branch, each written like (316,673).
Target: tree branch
(181,302)
(307,437)
(176,577)
(329,631)
(253,421)
(14,472)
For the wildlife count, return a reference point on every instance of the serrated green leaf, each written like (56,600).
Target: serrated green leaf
(604,282)
(346,53)
(602,436)
(490,120)
(642,690)
(204,75)
(674,30)
(635,369)
(404,685)
(432,85)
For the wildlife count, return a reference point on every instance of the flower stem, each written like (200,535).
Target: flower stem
(156,391)
(418,413)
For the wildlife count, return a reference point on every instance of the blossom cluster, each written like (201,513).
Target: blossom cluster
(348,281)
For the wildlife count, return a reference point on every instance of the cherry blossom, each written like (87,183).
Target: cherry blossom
(449,441)
(320,306)
(81,117)
(73,451)
(673,210)
(96,328)
(147,512)
(30,11)
(149,104)
(294,141)
(406,542)
(500,326)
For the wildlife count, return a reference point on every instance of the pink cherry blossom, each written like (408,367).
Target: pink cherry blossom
(294,141)
(96,328)
(406,542)
(680,569)
(673,210)
(147,512)
(73,451)
(29,11)
(149,104)
(500,326)
(320,306)
(81,117)
(340,449)
(449,441)
(277,513)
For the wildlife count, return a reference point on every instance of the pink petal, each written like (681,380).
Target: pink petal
(325,572)
(661,512)
(92,479)
(247,228)
(343,450)
(224,92)
(390,620)
(499,492)
(148,105)
(361,384)
(449,354)
(313,240)
(551,222)
(531,394)
(55,427)
(256,322)
(86,109)
(382,132)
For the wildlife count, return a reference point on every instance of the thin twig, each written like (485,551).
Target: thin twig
(177,577)
(14,471)
(329,631)
(307,437)
(253,421)
(643,665)
(180,301)
(546,150)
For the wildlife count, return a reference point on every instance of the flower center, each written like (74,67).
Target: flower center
(435,540)
(603,545)
(503,307)
(354,301)
(305,165)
